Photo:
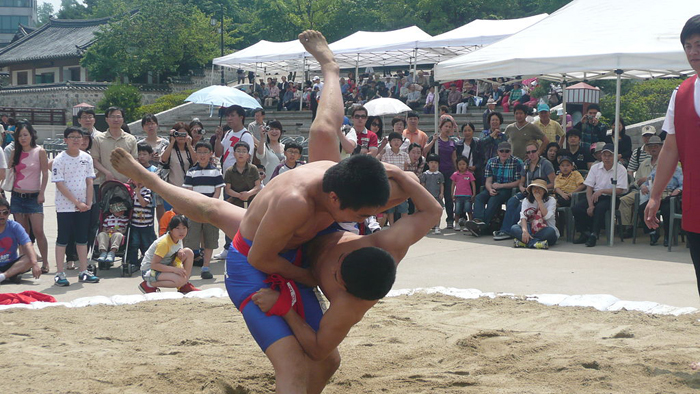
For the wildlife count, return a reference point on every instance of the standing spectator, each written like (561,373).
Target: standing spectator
(582,157)
(167,263)
(394,155)
(568,182)
(447,152)
(681,143)
(522,132)
(13,236)
(223,144)
(367,140)
(413,98)
(256,125)
(240,74)
(492,137)
(624,146)
(3,121)
(589,215)
(86,119)
(434,182)
(549,127)
(30,164)
(412,132)
(592,129)
(149,124)
(490,107)
(206,179)
(105,143)
(180,147)
(73,174)
(429,106)
(415,165)
(141,234)
(469,147)
(537,228)
(640,154)
(242,180)
(273,96)
(463,187)
(270,150)
(292,154)
(502,175)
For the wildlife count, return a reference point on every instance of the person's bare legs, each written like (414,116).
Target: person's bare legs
(171,280)
(290,364)
(320,372)
(37,221)
(329,115)
(82,256)
(195,206)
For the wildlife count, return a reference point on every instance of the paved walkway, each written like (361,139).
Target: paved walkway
(453,259)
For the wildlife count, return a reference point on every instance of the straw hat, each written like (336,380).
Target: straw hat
(537,183)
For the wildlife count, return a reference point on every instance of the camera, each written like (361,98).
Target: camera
(180,134)
(265,128)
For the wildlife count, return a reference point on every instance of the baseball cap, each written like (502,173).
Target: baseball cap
(504,145)
(543,108)
(608,147)
(648,130)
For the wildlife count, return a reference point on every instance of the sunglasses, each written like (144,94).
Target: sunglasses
(4,213)
(530,152)
(504,150)
(360,116)
(375,124)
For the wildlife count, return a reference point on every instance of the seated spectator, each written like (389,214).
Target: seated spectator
(582,157)
(288,100)
(597,149)
(590,213)
(624,146)
(502,175)
(114,227)
(537,228)
(429,106)
(641,176)
(13,237)
(167,263)
(206,179)
(674,188)
(534,167)
(292,154)
(467,100)
(413,98)
(404,90)
(550,153)
(490,107)
(568,182)
(640,154)
(454,97)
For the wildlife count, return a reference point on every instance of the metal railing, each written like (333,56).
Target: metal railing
(36,116)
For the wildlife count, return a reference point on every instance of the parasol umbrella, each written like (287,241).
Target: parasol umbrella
(386,106)
(223,96)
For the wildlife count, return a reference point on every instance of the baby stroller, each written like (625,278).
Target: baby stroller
(111,192)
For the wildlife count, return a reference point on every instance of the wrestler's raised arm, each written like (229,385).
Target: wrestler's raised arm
(323,139)
(411,228)
(273,234)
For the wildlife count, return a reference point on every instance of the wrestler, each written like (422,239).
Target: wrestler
(349,298)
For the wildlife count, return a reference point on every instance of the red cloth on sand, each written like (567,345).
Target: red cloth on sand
(25,297)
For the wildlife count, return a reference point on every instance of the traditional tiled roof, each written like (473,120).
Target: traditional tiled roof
(55,40)
(23,31)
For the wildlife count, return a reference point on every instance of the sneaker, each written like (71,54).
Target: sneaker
(519,244)
(436,230)
(582,239)
(87,277)
(60,280)
(461,222)
(188,287)
(592,239)
(220,256)
(449,226)
(473,227)
(145,288)
(110,258)
(457,228)
(654,238)
(206,275)
(541,245)
(500,236)
(102,257)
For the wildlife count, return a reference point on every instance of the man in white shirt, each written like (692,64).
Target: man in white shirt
(590,214)
(223,148)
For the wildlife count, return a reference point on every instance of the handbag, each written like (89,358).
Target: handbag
(9,180)
(163,171)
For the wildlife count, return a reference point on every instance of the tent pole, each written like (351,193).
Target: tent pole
(357,71)
(435,114)
(301,98)
(616,136)
(563,106)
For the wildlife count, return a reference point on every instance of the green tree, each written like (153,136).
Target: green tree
(44,13)
(126,97)
(72,9)
(641,101)
(163,37)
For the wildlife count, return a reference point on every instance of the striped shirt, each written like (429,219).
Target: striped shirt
(143,216)
(503,172)
(204,180)
(116,223)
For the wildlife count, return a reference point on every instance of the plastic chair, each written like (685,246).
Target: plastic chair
(673,227)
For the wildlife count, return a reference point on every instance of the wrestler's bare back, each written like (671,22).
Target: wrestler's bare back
(286,192)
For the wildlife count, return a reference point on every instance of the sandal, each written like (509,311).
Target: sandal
(44,270)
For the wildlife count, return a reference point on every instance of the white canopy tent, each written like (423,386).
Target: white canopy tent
(628,38)
(480,32)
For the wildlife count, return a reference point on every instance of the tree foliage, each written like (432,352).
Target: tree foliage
(163,37)
(640,100)
(124,96)
(44,13)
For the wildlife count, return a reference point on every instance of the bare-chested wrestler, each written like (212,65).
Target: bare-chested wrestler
(352,271)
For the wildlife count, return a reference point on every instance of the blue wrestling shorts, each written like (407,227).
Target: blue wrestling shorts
(242,280)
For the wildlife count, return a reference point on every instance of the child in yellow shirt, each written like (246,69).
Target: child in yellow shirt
(567,182)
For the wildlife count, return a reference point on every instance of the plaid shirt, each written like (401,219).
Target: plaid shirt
(503,172)
(398,159)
